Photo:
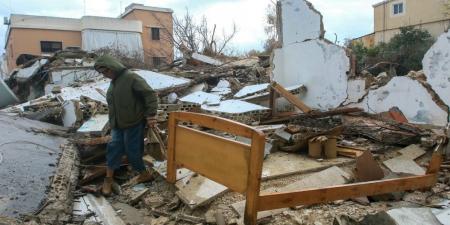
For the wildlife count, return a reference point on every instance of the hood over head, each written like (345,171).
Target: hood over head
(111,63)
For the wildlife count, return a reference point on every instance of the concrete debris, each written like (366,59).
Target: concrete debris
(7,97)
(97,125)
(206,59)
(24,74)
(320,119)
(200,97)
(404,165)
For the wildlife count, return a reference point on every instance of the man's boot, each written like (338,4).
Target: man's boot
(144,176)
(107,186)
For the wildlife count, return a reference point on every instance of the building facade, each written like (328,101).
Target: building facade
(141,32)
(430,15)
(391,15)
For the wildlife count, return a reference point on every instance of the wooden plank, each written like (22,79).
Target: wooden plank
(214,122)
(323,195)
(254,178)
(367,168)
(290,97)
(222,160)
(171,167)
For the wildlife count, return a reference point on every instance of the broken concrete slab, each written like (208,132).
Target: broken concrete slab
(68,76)
(222,88)
(7,97)
(104,212)
(411,97)
(413,216)
(251,90)
(412,152)
(97,125)
(403,164)
(281,164)
(206,59)
(24,74)
(161,82)
(200,97)
(435,66)
(235,107)
(130,214)
(27,162)
(196,190)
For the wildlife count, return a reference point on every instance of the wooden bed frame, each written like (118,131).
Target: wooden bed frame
(239,166)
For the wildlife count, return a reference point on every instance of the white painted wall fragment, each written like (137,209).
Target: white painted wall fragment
(436,66)
(300,22)
(356,90)
(410,97)
(305,58)
(322,67)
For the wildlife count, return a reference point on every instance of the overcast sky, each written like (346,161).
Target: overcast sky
(348,19)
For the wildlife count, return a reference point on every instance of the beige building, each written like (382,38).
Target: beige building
(431,15)
(142,31)
(390,15)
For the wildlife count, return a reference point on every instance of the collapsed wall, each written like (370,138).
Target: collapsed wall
(436,66)
(306,58)
(410,96)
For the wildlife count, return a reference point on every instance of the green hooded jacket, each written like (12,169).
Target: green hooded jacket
(130,99)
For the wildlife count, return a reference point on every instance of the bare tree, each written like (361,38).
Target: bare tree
(200,37)
(271,27)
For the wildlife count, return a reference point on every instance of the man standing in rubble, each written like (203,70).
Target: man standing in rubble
(132,104)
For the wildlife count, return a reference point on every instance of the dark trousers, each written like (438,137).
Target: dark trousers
(129,141)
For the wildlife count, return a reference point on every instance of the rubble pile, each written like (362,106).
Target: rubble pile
(322,125)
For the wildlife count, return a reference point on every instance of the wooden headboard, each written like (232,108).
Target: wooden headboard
(239,166)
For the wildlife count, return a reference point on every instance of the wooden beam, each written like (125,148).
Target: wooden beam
(214,122)
(171,167)
(290,97)
(315,114)
(323,195)
(254,178)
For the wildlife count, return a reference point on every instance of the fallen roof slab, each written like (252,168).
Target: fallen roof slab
(206,59)
(234,107)
(200,97)
(250,90)
(27,162)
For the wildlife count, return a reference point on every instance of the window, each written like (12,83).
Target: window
(398,8)
(155,33)
(158,61)
(50,46)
